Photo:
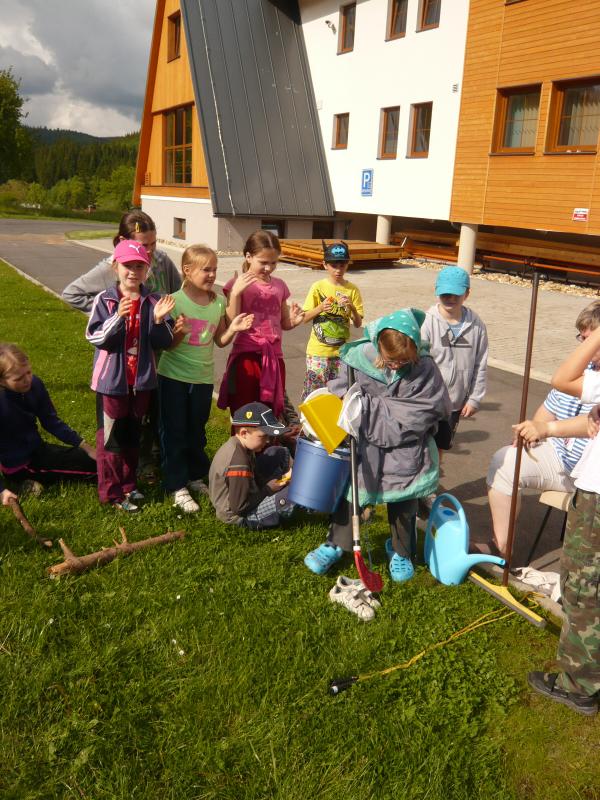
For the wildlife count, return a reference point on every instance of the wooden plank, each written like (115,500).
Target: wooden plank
(363,254)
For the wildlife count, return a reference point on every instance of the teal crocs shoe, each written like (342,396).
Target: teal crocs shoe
(323,558)
(401,569)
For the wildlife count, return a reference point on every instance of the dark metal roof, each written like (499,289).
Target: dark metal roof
(254,97)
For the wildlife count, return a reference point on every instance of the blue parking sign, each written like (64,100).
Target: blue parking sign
(366,184)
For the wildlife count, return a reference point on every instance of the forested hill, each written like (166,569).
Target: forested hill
(51,135)
(61,154)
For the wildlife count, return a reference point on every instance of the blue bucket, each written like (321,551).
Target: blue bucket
(318,479)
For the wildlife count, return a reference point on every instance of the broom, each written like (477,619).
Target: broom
(372,580)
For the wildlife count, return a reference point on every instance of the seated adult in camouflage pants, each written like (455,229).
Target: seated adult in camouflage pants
(578,683)
(578,656)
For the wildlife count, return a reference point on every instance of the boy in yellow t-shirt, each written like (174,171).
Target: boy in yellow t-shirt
(331,304)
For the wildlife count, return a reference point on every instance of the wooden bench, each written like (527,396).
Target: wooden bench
(558,500)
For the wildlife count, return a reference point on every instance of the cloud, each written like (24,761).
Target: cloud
(61,110)
(100,49)
(35,75)
(80,61)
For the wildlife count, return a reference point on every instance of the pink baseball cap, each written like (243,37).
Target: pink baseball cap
(127,251)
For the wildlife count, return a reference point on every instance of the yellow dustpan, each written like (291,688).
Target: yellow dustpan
(322,413)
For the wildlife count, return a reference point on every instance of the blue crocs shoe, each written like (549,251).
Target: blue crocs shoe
(401,569)
(323,558)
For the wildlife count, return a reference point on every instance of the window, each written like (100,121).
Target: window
(574,117)
(174,37)
(275,226)
(178,149)
(429,14)
(347,20)
(341,123)
(322,229)
(178,228)
(516,122)
(388,139)
(396,19)
(420,128)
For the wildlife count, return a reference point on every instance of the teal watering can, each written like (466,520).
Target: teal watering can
(447,543)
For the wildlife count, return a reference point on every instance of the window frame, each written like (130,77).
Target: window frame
(423,9)
(336,143)
(384,118)
(503,96)
(179,228)
(413,130)
(174,36)
(557,99)
(393,7)
(343,28)
(184,146)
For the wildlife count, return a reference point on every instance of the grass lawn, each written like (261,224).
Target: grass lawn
(90,234)
(200,669)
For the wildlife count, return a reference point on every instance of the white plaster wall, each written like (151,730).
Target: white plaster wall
(421,67)
(201,225)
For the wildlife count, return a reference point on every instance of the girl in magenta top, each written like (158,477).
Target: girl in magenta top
(255,369)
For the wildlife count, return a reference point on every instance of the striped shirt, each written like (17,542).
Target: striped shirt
(564,406)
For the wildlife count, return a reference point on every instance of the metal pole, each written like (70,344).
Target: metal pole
(522,416)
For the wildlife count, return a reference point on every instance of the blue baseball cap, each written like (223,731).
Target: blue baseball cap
(338,251)
(452,280)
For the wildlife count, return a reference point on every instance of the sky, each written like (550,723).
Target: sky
(82,63)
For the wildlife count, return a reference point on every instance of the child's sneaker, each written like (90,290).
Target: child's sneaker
(183,500)
(323,558)
(30,487)
(125,505)
(354,600)
(401,568)
(198,486)
(355,584)
(135,496)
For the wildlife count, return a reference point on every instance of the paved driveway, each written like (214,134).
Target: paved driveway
(39,248)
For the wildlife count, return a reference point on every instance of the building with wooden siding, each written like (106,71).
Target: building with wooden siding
(230,139)
(318,118)
(527,151)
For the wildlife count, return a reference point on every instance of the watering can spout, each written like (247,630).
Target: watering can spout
(472,559)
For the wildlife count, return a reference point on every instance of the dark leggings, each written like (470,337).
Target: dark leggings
(52,463)
(402,520)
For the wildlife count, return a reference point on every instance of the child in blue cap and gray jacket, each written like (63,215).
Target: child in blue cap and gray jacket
(459,346)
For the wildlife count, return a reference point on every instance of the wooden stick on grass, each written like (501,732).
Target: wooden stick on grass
(77,564)
(27,526)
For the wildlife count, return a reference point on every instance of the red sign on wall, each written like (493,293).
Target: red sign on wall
(580,214)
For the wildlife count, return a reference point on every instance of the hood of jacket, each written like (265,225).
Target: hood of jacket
(363,353)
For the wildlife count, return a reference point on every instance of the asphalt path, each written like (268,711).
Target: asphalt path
(39,249)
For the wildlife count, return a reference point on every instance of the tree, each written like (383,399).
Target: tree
(36,194)
(115,193)
(69,194)
(14,140)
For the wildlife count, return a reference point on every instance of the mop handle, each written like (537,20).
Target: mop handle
(353,470)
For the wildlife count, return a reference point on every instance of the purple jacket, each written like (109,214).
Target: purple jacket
(19,434)
(106,331)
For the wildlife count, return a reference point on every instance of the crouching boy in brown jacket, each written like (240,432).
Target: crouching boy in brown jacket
(247,478)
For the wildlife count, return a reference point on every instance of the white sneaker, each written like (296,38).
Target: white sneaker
(354,599)
(198,486)
(355,584)
(183,500)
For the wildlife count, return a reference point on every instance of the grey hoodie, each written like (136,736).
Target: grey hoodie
(163,278)
(462,361)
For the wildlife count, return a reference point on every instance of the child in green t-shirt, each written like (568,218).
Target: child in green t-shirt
(331,304)
(185,375)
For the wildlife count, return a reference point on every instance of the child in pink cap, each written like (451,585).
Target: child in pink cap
(128,323)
